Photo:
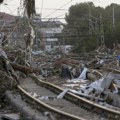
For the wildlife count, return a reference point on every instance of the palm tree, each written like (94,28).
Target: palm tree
(29,10)
(1,1)
(29,7)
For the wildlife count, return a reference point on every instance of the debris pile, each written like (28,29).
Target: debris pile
(81,74)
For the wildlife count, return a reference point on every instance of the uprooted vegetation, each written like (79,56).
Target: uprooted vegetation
(69,71)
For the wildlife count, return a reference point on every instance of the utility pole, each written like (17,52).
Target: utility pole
(113,17)
(96,27)
(20,8)
(90,21)
(102,42)
(42,7)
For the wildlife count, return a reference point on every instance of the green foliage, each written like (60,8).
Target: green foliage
(86,45)
(112,31)
(87,34)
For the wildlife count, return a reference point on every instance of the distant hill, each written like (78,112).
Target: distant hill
(6,17)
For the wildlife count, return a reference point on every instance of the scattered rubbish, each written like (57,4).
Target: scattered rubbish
(61,95)
(12,116)
(43,98)
(80,74)
(77,80)
(83,75)
(35,95)
(71,85)
(46,113)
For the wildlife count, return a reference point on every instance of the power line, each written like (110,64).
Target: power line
(11,11)
(14,27)
(60,15)
(72,36)
(51,18)
(2,26)
(9,0)
(42,7)
(9,4)
(13,30)
(53,9)
(58,8)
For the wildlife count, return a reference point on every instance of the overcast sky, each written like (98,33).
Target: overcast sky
(48,8)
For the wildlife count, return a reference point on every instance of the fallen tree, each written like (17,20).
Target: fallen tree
(24,69)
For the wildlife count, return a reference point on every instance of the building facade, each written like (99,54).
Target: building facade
(50,31)
(46,32)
